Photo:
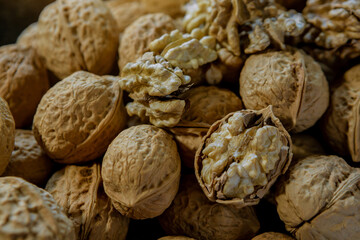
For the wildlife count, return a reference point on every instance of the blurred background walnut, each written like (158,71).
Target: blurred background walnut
(174,8)
(272,236)
(176,238)
(305,145)
(7,134)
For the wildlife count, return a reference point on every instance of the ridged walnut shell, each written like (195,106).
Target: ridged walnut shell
(7,134)
(291,81)
(28,160)
(193,215)
(77,35)
(319,198)
(341,123)
(28,212)
(78,118)
(241,157)
(272,236)
(23,81)
(79,191)
(141,171)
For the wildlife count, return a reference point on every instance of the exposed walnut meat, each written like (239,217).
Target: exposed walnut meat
(28,36)
(172,7)
(272,236)
(7,134)
(241,157)
(319,197)
(197,16)
(305,145)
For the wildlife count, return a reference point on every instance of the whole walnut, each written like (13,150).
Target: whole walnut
(272,236)
(341,123)
(141,171)
(7,134)
(78,118)
(77,35)
(23,81)
(79,191)
(193,215)
(319,197)
(137,36)
(28,212)
(305,145)
(291,81)
(28,160)
(241,157)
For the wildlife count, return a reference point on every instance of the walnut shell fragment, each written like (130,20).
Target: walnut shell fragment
(23,81)
(241,157)
(78,118)
(193,215)
(141,171)
(319,198)
(272,236)
(341,123)
(29,212)
(291,81)
(7,134)
(28,160)
(79,191)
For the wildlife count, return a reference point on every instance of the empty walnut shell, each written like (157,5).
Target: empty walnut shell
(77,35)
(23,81)
(272,236)
(79,191)
(341,123)
(29,212)
(290,81)
(141,171)
(7,134)
(193,215)
(241,157)
(78,118)
(319,198)
(28,160)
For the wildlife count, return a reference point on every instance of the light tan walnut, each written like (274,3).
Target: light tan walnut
(141,171)
(305,145)
(78,118)
(137,36)
(319,197)
(77,35)
(341,123)
(197,16)
(176,238)
(28,36)
(174,8)
(193,215)
(23,81)
(272,236)
(29,212)
(7,134)
(79,191)
(291,81)
(241,157)
(28,160)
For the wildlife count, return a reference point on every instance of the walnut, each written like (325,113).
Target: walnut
(272,236)
(305,145)
(79,191)
(138,35)
(317,199)
(28,36)
(341,123)
(241,157)
(197,16)
(193,215)
(141,171)
(28,155)
(7,134)
(176,238)
(77,35)
(78,118)
(291,81)
(171,7)
(29,212)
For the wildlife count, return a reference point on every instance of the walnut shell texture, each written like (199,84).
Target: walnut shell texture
(28,36)
(141,171)
(7,134)
(78,118)
(23,81)
(79,191)
(29,212)
(272,236)
(170,7)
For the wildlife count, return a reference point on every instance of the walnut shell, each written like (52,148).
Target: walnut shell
(341,123)
(241,157)
(28,160)
(79,191)
(272,236)
(305,145)
(78,118)
(176,238)
(141,171)
(137,36)
(23,81)
(170,7)
(28,36)
(290,81)
(318,197)
(193,215)
(29,212)
(77,35)
(7,134)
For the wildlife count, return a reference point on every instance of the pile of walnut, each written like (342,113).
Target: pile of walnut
(217,119)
